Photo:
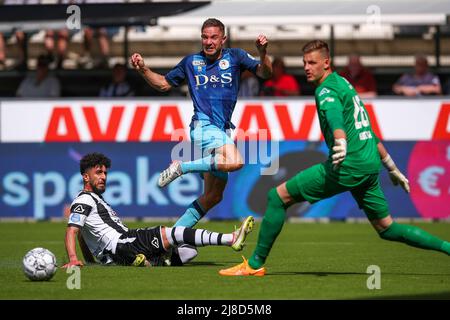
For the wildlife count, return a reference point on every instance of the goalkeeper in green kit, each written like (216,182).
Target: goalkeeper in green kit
(354,162)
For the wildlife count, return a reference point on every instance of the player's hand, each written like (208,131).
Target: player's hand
(398,178)
(339,152)
(73,263)
(261,44)
(137,62)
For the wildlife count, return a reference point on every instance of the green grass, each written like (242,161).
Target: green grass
(308,261)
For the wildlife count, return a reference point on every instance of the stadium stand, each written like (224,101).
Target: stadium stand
(386,41)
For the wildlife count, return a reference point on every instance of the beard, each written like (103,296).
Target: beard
(98,190)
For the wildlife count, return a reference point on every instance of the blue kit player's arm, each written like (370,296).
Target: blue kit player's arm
(155,80)
(261,68)
(177,75)
(264,68)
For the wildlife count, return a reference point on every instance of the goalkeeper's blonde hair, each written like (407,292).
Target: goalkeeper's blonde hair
(317,45)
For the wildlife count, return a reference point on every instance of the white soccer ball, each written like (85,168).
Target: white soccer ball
(39,264)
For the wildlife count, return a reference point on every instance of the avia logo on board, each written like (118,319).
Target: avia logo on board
(160,120)
(62,126)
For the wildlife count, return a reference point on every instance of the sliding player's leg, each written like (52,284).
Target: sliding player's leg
(176,236)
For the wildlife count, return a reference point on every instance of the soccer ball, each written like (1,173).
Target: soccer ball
(39,264)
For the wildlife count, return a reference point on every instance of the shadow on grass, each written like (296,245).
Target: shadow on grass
(445,295)
(202,263)
(331,273)
(313,273)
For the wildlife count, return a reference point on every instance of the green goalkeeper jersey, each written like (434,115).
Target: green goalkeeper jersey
(339,107)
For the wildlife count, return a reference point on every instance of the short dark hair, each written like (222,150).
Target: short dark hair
(91,160)
(43,60)
(119,66)
(213,22)
(316,45)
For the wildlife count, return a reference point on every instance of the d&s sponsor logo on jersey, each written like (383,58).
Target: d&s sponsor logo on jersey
(203,80)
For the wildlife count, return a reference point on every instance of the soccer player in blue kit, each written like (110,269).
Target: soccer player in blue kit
(213,77)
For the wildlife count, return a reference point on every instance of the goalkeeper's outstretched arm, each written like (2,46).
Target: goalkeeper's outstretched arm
(396,176)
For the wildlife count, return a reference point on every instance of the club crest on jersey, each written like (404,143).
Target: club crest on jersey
(324,91)
(155,242)
(79,209)
(224,64)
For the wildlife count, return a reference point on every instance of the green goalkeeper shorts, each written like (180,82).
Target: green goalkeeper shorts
(321,181)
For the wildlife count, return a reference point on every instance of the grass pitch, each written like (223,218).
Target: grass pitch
(308,261)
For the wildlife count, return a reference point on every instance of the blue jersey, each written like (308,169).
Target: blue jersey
(213,85)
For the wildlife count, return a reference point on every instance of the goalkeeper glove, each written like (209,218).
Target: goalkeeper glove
(396,176)
(339,152)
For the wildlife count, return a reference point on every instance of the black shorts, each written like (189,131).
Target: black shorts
(147,241)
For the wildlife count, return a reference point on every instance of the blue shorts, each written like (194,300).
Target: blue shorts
(207,137)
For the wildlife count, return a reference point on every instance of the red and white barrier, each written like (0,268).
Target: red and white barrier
(156,120)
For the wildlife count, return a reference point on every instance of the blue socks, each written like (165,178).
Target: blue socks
(205,164)
(191,216)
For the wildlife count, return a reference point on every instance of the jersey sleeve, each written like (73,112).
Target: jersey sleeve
(177,75)
(331,105)
(247,61)
(79,210)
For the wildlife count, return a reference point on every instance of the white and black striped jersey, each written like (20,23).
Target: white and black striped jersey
(99,223)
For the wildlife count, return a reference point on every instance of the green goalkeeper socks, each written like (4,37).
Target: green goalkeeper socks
(274,218)
(271,226)
(415,237)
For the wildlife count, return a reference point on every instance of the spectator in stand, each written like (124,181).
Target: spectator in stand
(249,85)
(20,35)
(118,87)
(56,43)
(21,39)
(103,36)
(281,84)
(360,77)
(41,83)
(421,82)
